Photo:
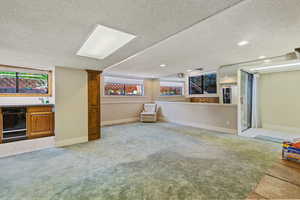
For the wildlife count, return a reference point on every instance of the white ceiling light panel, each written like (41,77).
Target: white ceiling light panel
(276,66)
(103,42)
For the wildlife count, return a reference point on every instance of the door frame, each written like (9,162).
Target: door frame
(239,107)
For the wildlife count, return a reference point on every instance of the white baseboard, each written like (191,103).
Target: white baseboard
(24,146)
(119,121)
(203,126)
(71,141)
(281,128)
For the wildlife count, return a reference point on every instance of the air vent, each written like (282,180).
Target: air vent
(199,69)
(180,75)
(297,50)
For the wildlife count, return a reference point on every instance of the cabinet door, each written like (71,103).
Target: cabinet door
(94,124)
(1,126)
(40,124)
(94,121)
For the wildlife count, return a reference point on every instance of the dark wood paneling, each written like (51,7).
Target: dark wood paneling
(94,120)
(205,99)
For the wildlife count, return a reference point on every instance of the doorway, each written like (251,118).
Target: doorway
(246,100)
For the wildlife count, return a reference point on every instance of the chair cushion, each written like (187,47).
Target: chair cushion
(148,113)
(150,108)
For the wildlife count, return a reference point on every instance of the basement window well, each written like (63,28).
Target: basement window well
(115,86)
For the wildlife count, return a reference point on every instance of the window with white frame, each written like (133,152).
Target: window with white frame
(116,86)
(168,88)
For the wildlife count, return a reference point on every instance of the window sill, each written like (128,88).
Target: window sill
(115,96)
(24,95)
(203,95)
(172,96)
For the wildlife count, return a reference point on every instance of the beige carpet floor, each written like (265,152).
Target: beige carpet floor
(160,161)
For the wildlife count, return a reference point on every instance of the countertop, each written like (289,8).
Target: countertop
(195,103)
(24,105)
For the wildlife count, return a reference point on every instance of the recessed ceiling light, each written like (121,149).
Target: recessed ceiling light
(242,43)
(189,70)
(163,65)
(267,61)
(103,42)
(261,57)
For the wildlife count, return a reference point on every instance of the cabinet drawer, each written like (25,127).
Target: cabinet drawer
(39,109)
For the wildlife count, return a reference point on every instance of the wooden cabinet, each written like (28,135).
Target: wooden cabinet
(1,126)
(205,99)
(94,121)
(40,121)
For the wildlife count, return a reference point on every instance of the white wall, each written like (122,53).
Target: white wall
(218,117)
(123,109)
(280,101)
(156,93)
(71,106)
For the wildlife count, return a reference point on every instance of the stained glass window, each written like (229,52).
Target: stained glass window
(20,82)
(168,88)
(8,82)
(114,86)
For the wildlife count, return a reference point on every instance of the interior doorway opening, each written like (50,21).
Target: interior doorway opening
(269,105)
(246,99)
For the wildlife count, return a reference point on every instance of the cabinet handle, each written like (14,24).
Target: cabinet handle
(40,115)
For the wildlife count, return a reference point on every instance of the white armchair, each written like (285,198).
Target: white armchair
(149,113)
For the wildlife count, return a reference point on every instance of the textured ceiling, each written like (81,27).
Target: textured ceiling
(271,26)
(49,32)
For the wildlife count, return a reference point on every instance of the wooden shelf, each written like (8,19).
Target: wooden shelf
(228,83)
